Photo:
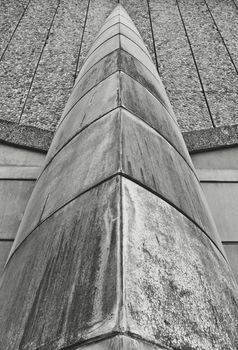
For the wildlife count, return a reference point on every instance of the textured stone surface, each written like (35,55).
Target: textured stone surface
(178,290)
(57,67)
(20,60)
(98,11)
(224,14)
(176,66)
(68,293)
(215,67)
(223,106)
(25,136)
(211,138)
(191,111)
(11,12)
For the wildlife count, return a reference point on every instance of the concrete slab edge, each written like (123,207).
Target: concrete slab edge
(37,139)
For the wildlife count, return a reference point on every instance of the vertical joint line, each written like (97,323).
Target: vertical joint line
(38,62)
(235,4)
(14,31)
(224,43)
(196,66)
(153,37)
(81,42)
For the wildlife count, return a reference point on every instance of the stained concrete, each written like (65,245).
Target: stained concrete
(117,238)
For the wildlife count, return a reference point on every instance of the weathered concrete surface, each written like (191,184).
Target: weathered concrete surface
(69,292)
(177,288)
(120,342)
(117,238)
(86,161)
(14,195)
(5,247)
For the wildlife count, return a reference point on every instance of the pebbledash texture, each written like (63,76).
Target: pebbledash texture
(117,249)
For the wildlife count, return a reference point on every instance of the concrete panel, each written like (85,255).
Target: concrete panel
(167,174)
(88,159)
(123,30)
(69,293)
(5,248)
(15,156)
(138,11)
(14,196)
(133,49)
(57,67)
(232,255)
(223,202)
(216,159)
(142,103)
(116,19)
(103,50)
(135,69)
(97,103)
(179,291)
(100,71)
(21,58)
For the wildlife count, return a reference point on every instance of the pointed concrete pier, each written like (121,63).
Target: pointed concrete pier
(117,249)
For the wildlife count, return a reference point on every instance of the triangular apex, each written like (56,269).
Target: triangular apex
(117,249)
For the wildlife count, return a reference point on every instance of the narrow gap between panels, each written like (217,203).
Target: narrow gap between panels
(14,31)
(153,37)
(38,62)
(115,24)
(81,42)
(224,43)
(104,115)
(111,37)
(196,66)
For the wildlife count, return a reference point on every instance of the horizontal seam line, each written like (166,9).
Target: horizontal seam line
(6,239)
(118,173)
(119,33)
(105,115)
(163,137)
(108,77)
(75,135)
(115,24)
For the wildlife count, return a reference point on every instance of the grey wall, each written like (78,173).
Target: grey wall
(18,170)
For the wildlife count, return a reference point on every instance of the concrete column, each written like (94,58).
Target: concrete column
(117,249)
